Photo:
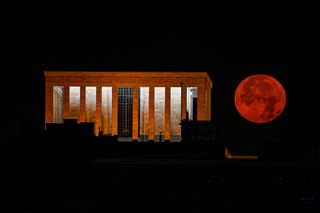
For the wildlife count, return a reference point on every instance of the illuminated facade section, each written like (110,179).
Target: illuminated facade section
(142,106)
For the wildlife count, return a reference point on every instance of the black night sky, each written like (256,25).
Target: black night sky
(228,48)
(230,45)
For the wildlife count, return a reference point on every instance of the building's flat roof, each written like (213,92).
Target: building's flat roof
(132,75)
(125,73)
(129,74)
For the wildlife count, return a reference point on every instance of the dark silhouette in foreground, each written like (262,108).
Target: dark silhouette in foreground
(67,168)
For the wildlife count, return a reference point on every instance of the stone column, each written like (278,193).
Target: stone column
(151,114)
(82,103)
(200,104)
(66,102)
(167,115)
(135,117)
(205,103)
(183,102)
(107,116)
(49,102)
(209,103)
(98,110)
(114,110)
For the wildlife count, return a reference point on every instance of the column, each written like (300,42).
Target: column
(201,110)
(107,116)
(167,115)
(135,117)
(66,102)
(82,103)
(206,103)
(114,110)
(49,102)
(151,114)
(209,103)
(183,102)
(98,110)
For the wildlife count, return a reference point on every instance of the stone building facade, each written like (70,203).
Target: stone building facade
(142,106)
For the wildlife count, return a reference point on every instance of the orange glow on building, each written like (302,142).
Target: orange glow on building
(139,105)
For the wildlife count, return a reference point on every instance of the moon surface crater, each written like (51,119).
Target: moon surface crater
(260,98)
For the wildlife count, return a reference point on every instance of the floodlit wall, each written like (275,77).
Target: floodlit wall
(159,100)
(58,104)
(144,111)
(175,112)
(106,120)
(74,102)
(159,103)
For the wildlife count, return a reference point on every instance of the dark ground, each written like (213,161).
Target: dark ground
(177,183)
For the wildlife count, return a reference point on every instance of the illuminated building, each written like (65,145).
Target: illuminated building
(139,106)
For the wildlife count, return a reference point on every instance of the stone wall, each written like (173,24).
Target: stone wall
(58,104)
(191,93)
(175,111)
(74,101)
(106,120)
(159,98)
(144,110)
(91,104)
(103,82)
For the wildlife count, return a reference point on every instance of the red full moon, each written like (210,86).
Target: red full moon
(260,98)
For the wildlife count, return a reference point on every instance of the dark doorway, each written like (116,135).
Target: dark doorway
(195,108)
